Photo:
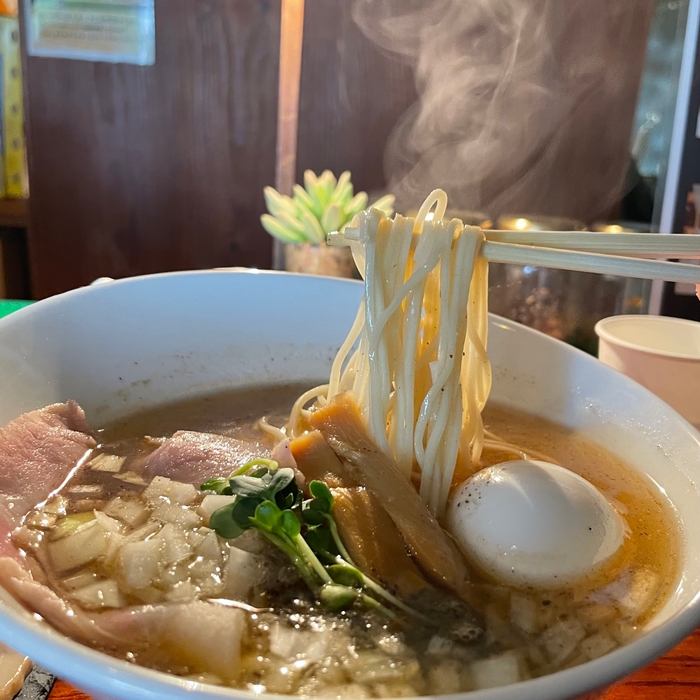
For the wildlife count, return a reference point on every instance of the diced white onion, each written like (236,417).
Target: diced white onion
(107,463)
(82,547)
(180,515)
(129,510)
(100,595)
(140,562)
(496,671)
(175,545)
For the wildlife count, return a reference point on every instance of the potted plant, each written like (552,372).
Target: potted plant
(303,220)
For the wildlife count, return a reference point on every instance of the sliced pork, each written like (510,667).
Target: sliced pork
(202,637)
(38,451)
(73,622)
(193,458)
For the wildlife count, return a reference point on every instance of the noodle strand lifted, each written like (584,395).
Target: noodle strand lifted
(419,368)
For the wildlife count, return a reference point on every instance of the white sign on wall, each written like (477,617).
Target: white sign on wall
(117,31)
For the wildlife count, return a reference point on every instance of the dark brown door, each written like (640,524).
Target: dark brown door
(146,169)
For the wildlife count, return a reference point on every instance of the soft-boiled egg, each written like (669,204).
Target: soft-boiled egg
(534,523)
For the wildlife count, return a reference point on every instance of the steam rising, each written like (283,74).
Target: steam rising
(524,105)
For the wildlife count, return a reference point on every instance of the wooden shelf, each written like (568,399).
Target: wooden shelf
(14,213)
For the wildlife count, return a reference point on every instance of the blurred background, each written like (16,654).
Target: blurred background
(151,129)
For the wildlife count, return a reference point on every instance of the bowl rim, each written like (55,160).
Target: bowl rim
(604,330)
(96,671)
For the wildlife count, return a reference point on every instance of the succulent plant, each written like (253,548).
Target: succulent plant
(323,205)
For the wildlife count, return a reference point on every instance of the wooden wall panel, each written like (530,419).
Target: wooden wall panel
(352,95)
(144,169)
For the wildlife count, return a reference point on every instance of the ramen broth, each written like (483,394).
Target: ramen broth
(290,645)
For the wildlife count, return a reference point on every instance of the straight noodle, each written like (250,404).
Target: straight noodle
(415,357)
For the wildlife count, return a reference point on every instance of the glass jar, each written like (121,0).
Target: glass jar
(560,303)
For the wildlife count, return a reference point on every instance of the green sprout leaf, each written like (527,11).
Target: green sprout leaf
(267,516)
(321,493)
(289,524)
(346,576)
(279,480)
(249,487)
(243,510)
(218,485)
(224,525)
(337,597)
(312,514)
(320,540)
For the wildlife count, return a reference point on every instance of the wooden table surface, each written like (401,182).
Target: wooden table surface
(675,676)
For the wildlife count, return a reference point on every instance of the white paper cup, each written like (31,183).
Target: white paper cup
(661,353)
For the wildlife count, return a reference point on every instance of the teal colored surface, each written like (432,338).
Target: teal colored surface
(7,307)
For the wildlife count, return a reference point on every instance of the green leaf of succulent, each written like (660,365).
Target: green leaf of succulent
(312,228)
(356,204)
(278,203)
(310,180)
(343,188)
(327,185)
(385,204)
(343,196)
(293,224)
(306,203)
(277,229)
(332,218)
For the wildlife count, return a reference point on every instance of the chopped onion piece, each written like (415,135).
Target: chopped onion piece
(597,645)
(496,671)
(526,614)
(140,563)
(86,490)
(129,510)
(70,524)
(210,548)
(108,524)
(100,595)
(175,545)
(82,547)
(84,578)
(107,463)
(562,639)
(157,489)
(131,478)
(88,504)
(183,494)
(243,572)
(180,515)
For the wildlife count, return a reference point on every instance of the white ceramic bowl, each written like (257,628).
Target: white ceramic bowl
(126,345)
(661,353)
